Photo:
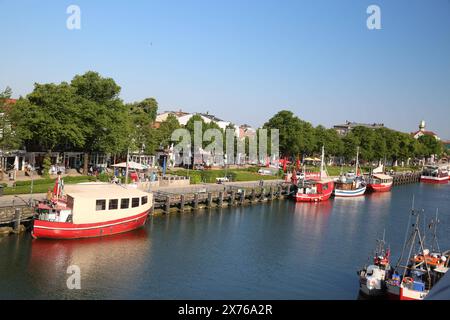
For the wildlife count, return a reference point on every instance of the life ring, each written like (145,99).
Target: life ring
(408,280)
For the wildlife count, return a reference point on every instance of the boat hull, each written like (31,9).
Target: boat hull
(437,180)
(402,293)
(63,230)
(380,187)
(312,197)
(350,193)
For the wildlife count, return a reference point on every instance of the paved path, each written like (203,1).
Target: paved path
(22,199)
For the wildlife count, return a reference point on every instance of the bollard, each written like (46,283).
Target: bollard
(271,193)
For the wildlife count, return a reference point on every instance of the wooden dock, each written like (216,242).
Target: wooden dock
(235,195)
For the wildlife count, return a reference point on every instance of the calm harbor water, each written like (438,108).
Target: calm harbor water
(280,250)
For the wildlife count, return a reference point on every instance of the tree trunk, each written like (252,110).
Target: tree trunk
(86,163)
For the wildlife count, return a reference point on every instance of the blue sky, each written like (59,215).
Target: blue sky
(245,60)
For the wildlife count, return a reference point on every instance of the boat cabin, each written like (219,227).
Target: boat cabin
(381,179)
(314,187)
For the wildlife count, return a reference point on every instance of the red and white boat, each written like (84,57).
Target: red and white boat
(92,210)
(314,187)
(435,174)
(379,182)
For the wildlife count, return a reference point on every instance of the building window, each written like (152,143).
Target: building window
(113,204)
(135,202)
(100,205)
(124,203)
(144,200)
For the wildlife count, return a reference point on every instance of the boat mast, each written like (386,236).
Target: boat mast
(357,160)
(322,165)
(406,241)
(126,170)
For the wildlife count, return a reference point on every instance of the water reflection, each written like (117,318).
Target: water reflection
(100,260)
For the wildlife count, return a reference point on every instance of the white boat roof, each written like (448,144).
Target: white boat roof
(382,176)
(102,190)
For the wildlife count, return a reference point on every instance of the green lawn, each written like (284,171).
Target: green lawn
(42,185)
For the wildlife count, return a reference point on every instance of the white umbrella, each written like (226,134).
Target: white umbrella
(131,165)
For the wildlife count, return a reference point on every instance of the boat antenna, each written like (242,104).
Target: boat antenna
(406,240)
(435,240)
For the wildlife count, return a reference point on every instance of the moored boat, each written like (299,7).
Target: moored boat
(351,184)
(314,188)
(372,278)
(435,174)
(379,182)
(92,210)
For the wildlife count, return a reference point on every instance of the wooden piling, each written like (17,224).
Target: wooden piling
(221,199)
(263,194)
(253,196)
(209,202)
(167,205)
(232,197)
(242,200)
(271,193)
(17,220)
(182,201)
(196,201)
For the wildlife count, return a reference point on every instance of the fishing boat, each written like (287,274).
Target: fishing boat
(91,210)
(377,181)
(314,188)
(352,184)
(372,278)
(421,271)
(435,174)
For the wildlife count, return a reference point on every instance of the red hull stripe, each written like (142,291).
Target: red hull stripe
(96,226)
(51,230)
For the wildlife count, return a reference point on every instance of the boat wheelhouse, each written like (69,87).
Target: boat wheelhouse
(435,174)
(379,182)
(92,210)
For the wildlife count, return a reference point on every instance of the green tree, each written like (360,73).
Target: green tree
(295,135)
(431,146)
(8,138)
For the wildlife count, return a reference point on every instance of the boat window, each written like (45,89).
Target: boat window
(113,204)
(100,205)
(124,203)
(134,202)
(144,200)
